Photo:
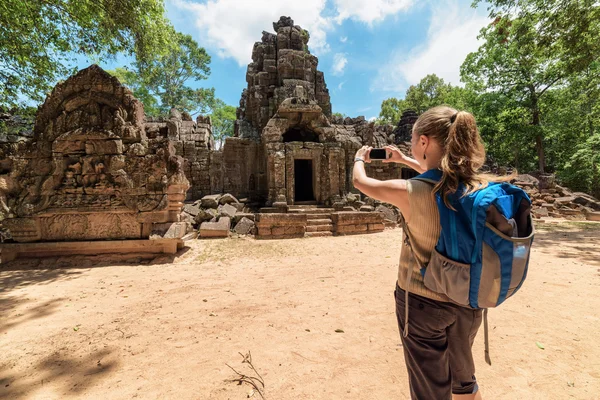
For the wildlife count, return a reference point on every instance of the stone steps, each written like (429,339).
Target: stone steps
(318,234)
(311,210)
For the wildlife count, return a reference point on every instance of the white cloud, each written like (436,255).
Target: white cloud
(452,34)
(231,26)
(344,39)
(372,119)
(369,11)
(341,85)
(339,64)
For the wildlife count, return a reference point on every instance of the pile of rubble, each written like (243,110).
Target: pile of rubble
(216,215)
(559,202)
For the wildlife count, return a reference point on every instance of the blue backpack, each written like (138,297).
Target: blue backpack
(482,254)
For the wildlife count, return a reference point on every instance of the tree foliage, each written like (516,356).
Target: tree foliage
(164,81)
(569,26)
(223,121)
(168,76)
(431,91)
(39,39)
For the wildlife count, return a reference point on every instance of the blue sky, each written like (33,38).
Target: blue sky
(369,50)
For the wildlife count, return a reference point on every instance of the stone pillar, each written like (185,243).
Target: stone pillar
(276,172)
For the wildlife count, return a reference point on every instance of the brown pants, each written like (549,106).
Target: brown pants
(438,347)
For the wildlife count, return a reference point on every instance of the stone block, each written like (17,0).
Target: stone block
(376,227)
(274,219)
(593,216)
(205,215)
(238,216)
(228,199)
(353,218)
(387,212)
(210,201)
(191,209)
(278,230)
(227,210)
(215,229)
(244,227)
(174,230)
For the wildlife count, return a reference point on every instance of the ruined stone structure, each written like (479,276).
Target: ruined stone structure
(91,172)
(403,130)
(300,153)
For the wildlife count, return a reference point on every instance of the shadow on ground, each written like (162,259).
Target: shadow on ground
(29,271)
(575,241)
(76,374)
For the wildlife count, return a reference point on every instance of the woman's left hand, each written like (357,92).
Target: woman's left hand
(364,153)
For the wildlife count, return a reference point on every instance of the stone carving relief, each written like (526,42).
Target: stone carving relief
(90,171)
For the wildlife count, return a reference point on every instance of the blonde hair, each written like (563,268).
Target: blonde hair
(463,152)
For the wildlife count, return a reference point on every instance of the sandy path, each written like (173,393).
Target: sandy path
(103,329)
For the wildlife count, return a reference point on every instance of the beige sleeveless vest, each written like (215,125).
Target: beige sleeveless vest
(425,228)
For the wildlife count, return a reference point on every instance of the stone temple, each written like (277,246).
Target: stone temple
(287,149)
(96,169)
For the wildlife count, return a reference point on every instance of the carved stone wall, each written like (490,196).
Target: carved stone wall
(91,172)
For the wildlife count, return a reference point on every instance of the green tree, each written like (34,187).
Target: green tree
(573,129)
(570,28)
(168,76)
(512,61)
(163,82)
(431,91)
(223,121)
(391,111)
(38,39)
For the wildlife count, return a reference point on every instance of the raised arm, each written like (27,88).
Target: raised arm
(397,156)
(393,191)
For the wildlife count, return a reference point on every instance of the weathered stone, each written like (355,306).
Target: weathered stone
(227,210)
(215,229)
(174,230)
(593,216)
(206,215)
(367,208)
(210,201)
(387,213)
(228,199)
(90,172)
(191,209)
(547,181)
(238,216)
(564,200)
(244,227)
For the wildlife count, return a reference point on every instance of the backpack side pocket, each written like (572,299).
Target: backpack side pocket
(448,277)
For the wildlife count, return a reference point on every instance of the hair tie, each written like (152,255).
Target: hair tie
(453,118)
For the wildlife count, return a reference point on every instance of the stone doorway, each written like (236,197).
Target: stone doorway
(303,181)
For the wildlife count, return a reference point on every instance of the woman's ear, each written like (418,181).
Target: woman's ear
(424,141)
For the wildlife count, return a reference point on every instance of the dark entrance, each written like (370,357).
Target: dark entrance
(303,180)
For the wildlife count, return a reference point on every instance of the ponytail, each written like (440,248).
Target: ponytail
(463,151)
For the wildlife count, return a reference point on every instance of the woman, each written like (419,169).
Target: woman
(437,347)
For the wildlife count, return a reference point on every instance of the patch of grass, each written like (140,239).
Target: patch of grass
(567,226)
(229,249)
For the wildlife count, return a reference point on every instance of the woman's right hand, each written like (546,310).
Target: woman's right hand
(394,154)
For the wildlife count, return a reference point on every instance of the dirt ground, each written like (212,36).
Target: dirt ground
(100,328)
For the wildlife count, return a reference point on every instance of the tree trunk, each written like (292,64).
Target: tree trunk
(539,145)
